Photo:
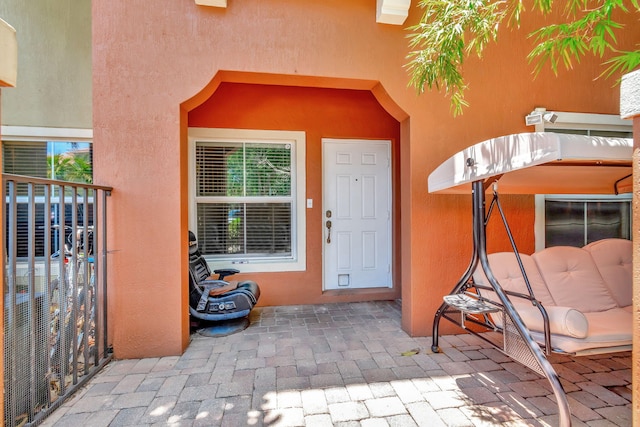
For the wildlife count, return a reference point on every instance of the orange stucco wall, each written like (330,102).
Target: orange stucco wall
(154,65)
(320,113)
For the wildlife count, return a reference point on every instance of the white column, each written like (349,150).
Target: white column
(9,56)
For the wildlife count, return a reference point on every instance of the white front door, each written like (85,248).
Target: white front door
(356,213)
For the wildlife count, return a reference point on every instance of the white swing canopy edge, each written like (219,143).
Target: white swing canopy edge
(540,163)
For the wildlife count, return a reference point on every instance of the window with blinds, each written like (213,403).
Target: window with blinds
(61,160)
(577,220)
(244,199)
(25,158)
(572,222)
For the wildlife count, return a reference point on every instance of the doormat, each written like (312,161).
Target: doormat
(223,328)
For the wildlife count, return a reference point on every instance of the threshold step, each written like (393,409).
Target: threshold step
(469,304)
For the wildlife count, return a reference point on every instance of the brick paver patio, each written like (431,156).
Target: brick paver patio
(342,365)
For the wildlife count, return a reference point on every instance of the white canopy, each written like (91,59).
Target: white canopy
(541,162)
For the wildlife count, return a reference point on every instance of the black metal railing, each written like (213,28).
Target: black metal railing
(55,299)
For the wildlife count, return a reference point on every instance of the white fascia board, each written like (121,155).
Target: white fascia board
(392,12)
(29,133)
(212,3)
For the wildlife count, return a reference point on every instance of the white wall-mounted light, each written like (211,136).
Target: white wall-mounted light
(537,117)
(550,117)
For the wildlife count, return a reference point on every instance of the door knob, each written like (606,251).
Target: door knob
(328,224)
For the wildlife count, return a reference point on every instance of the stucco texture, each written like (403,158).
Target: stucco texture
(54,64)
(152,66)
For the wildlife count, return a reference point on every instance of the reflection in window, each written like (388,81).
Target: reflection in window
(61,160)
(244,199)
(580,222)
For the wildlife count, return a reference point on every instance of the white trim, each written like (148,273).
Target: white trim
(30,133)
(393,12)
(298,188)
(212,3)
(387,144)
(9,57)
(584,121)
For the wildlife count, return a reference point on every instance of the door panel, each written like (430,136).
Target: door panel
(357,207)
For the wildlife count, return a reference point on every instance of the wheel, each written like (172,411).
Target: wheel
(435,349)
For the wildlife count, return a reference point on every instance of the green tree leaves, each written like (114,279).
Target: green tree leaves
(70,167)
(451,30)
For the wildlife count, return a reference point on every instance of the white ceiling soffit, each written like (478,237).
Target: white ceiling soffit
(392,12)
(9,56)
(539,163)
(213,3)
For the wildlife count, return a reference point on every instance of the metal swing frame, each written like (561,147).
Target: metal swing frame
(525,163)
(517,341)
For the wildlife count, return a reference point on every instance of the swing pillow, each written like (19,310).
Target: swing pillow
(562,320)
(613,257)
(565,321)
(587,293)
(506,270)
(573,279)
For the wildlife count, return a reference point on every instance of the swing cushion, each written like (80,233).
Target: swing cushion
(573,279)
(507,271)
(613,257)
(609,331)
(586,293)
(562,320)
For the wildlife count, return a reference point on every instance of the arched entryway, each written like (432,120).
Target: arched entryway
(238,107)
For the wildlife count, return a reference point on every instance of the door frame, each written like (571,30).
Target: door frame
(390,201)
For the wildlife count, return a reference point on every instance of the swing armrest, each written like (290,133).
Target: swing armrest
(224,272)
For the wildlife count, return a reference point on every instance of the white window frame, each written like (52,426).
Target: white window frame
(298,259)
(46,134)
(575,121)
(32,133)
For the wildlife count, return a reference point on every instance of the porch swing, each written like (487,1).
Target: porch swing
(532,163)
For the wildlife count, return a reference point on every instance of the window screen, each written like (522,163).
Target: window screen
(244,199)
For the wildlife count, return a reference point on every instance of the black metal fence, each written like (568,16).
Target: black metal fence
(55,319)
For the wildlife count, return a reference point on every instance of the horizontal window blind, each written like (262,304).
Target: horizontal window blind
(25,158)
(62,160)
(251,230)
(241,169)
(244,199)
